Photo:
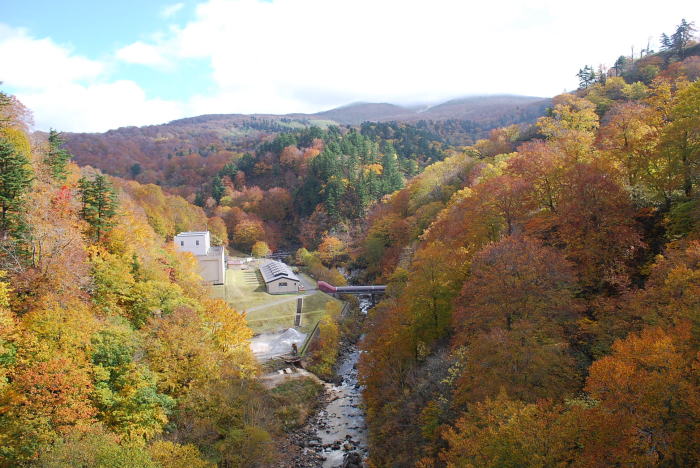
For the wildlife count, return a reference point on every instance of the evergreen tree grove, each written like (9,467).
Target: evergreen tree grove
(391,175)
(99,204)
(57,157)
(15,179)
(217,189)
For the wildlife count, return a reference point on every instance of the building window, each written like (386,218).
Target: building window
(283,284)
(196,242)
(182,243)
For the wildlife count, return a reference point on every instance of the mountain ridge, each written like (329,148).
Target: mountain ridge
(477,108)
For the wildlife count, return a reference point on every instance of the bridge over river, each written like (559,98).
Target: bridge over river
(367,290)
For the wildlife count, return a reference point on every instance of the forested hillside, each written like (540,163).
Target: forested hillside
(290,187)
(112,352)
(151,154)
(542,270)
(543,287)
(288,180)
(298,184)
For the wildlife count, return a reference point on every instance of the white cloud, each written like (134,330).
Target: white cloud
(97,107)
(170,10)
(307,55)
(70,92)
(310,55)
(37,63)
(143,54)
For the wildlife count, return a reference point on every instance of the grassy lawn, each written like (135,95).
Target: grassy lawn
(280,316)
(245,291)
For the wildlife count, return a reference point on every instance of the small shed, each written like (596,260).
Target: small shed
(279,278)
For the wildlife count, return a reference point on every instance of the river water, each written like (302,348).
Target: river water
(339,428)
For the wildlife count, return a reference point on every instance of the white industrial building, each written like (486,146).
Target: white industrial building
(212,259)
(279,278)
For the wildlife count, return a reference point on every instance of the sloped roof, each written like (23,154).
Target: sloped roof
(272,271)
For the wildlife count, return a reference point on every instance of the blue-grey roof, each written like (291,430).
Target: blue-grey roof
(272,271)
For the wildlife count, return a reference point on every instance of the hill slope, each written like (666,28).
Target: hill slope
(211,140)
(474,108)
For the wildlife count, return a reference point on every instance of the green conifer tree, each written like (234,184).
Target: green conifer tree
(217,189)
(586,77)
(57,157)
(682,37)
(199,199)
(391,175)
(15,180)
(99,204)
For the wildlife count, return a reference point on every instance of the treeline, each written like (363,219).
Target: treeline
(679,54)
(461,132)
(542,307)
(112,352)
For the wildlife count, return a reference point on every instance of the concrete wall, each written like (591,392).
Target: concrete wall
(212,270)
(276,286)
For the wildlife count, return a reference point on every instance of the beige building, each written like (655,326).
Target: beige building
(212,259)
(279,279)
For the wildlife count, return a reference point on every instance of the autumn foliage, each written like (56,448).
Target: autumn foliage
(542,300)
(112,351)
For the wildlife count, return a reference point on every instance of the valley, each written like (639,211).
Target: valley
(186,294)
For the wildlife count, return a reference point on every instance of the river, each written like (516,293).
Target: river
(340,427)
(338,430)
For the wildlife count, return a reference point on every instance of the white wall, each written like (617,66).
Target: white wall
(212,270)
(198,243)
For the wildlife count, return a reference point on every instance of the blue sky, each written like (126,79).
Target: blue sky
(98,32)
(90,66)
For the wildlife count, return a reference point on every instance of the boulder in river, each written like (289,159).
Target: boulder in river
(352,460)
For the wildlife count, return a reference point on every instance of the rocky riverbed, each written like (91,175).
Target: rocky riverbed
(336,436)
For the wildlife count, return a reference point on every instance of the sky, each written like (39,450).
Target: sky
(88,66)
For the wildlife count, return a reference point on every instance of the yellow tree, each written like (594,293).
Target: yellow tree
(681,136)
(630,137)
(651,382)
(331,250)
(231,334)
(500,432)
(171,455)
(9,332)
(572,124)
(181,351)
(260,249)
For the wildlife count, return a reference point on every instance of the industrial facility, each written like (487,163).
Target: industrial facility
(279,278)
(212,259)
